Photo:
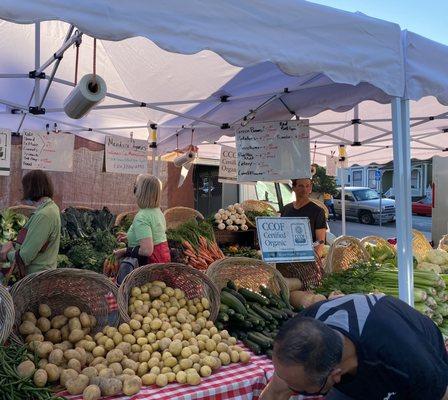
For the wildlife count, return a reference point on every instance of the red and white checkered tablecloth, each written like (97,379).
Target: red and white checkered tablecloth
(236,381)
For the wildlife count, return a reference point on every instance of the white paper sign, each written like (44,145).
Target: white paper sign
(285,239)
(5,152)
(126,156)
(332,165)
(273,151)
(227,165)
(48,151)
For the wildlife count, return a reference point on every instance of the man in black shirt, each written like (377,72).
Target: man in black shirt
(304,207)
(366,347)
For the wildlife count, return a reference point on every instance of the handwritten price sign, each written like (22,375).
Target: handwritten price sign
(273,151)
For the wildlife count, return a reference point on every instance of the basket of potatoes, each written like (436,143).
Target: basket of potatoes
(59,289)
(178,278)
(157,346)
(6,314)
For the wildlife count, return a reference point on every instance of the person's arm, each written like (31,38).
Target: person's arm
(276,389)
(320,230)
(37,235)
(143,233)
(320,237)
(146,247)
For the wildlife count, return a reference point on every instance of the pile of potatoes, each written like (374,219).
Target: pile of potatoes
(168,339)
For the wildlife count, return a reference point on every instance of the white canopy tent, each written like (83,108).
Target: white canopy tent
(209,65)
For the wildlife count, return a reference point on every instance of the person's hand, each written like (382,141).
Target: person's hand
(276,389)
(122,237)
(119,253)
(6,248)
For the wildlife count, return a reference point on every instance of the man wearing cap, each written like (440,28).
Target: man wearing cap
(304,207)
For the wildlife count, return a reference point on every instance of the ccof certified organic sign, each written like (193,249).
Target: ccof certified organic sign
(227,165)
(285,239)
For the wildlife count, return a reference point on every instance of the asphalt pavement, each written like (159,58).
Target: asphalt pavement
(386,231)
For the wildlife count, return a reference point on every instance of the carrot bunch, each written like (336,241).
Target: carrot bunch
(204,255)
(110,265)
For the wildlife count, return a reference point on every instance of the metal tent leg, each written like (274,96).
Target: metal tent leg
(402,189)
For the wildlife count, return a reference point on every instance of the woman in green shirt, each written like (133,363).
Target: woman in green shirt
(37,246)
(146,237)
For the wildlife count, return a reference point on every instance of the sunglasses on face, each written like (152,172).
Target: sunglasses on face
(318,393)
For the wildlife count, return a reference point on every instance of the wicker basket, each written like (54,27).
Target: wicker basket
(443,243)
(377,240)
(7,314)
(310,273)
(248,273)
(122,216)
(344,252)
(193,282)
(256,206)
(420,245)
(60,288)
(323,206)
(23,209)
(176,216)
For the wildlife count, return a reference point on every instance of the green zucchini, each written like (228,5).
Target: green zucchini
(246,324)
(265,338)
(231,285)
(223,308)
(234,293)
(232,302)
(285,298)
(289,313)
(266,292)
(254,297)
(231,311)
(262,342)
(261,311)
(254,321)
(275,313)
(219,325)
(254,347)
(223,317)
(237,317)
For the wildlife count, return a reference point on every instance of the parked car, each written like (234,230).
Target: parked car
(422,207)
(364,204)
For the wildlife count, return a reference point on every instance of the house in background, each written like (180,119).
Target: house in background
(421,177)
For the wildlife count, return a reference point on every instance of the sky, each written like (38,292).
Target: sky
(426,17)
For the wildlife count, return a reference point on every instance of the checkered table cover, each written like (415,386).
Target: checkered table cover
(237,381)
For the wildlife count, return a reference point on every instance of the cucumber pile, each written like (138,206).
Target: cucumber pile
(253,318)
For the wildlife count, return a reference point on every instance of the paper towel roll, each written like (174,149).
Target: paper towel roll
(185,158)
(85,95)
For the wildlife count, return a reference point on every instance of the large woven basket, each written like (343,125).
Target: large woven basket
(248,273)
(344,252)
(256,206)
(23,209)
(123,215)
(378,241)
(176,216)
(60,288)
(443,243)
(6,314)
(321,205)
(309,273)
(420,245)
(193,282)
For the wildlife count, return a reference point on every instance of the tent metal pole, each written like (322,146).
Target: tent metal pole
(356,124)
(11,76)
(402,189)
(344,223)
(339,139)
(56,66)
(36,62)
(147,105)
(69,40)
